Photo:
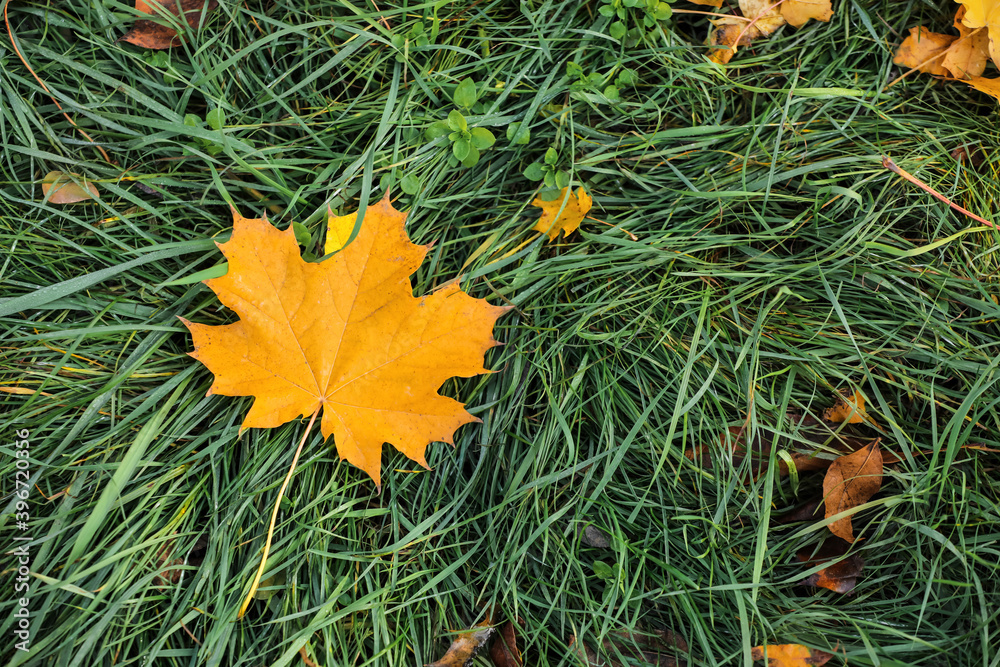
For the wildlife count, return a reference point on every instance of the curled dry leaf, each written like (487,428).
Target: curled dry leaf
(465,646)
(851,481)
(851,410)
(155,35)
(839,577)
(345,335)
(59,188)
(553,221)
(790,655)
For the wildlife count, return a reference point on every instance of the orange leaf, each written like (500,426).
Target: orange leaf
(64,191)
(985,14)
(346,335)
(552,221)
(839,577)
(504,652)
(465,646)
(155,35)
(851,481)
(967,55)
(924,50)
(851,410)
(985,85)
(708,3)
(731,32)
(790,655)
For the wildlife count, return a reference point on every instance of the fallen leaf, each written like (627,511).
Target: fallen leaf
(985,14)
(839,577)
(731,32)
(656,648)
(850,411)
(504,651)
(798,12)
(345,335)
(790,655)
(924,51)
(552,221)
(851,481)
(64,191)
(155,35)
(967,55)
(168,561)
(984,85)
(708,3)
(593,536)
(466,645)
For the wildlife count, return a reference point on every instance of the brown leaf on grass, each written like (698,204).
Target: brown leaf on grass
(59,188)
(653,648)
(552,221)
(967,55)
(850,410)
(790,655)
(851,481)
(923,51)
(593,536)
(504,651)
(985,14)
(839,577)
(731,32)
(798,12)
(156,35)
(466,645)
(169,560)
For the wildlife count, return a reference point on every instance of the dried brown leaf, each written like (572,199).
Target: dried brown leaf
(152,34)
(59,188)
(841,576)
(504,651)
(851,481)
(465,646)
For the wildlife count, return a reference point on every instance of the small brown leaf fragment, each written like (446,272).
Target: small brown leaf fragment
(839,577)
(798,12)
(465,646)
(923,51)
(851,481)
(850,411)
(968,54)
(64,191)
(504,651)
(790,655)
(593,536)
(154,35)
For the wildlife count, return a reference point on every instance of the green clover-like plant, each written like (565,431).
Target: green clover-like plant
(466,142)
(548,171)
(643,15)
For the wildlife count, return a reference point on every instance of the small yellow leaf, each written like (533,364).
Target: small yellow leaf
(798,12)
(791,655)
(553,221)
(64,191)
(851,410)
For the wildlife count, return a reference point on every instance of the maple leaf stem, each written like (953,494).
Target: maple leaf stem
(274,518)
(893,167)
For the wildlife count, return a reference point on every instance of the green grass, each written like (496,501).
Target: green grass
(756,258)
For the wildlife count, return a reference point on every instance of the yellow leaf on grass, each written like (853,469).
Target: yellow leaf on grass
(345,335)
(968,54)
(924,51)
(851,410)
(553,221)
(985,14)
(984,85)
(798,12)
(791,655)
(708,3)
(59,188)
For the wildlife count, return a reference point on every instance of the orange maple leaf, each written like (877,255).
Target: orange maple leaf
(345,335)
(791,655)
(553,221)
